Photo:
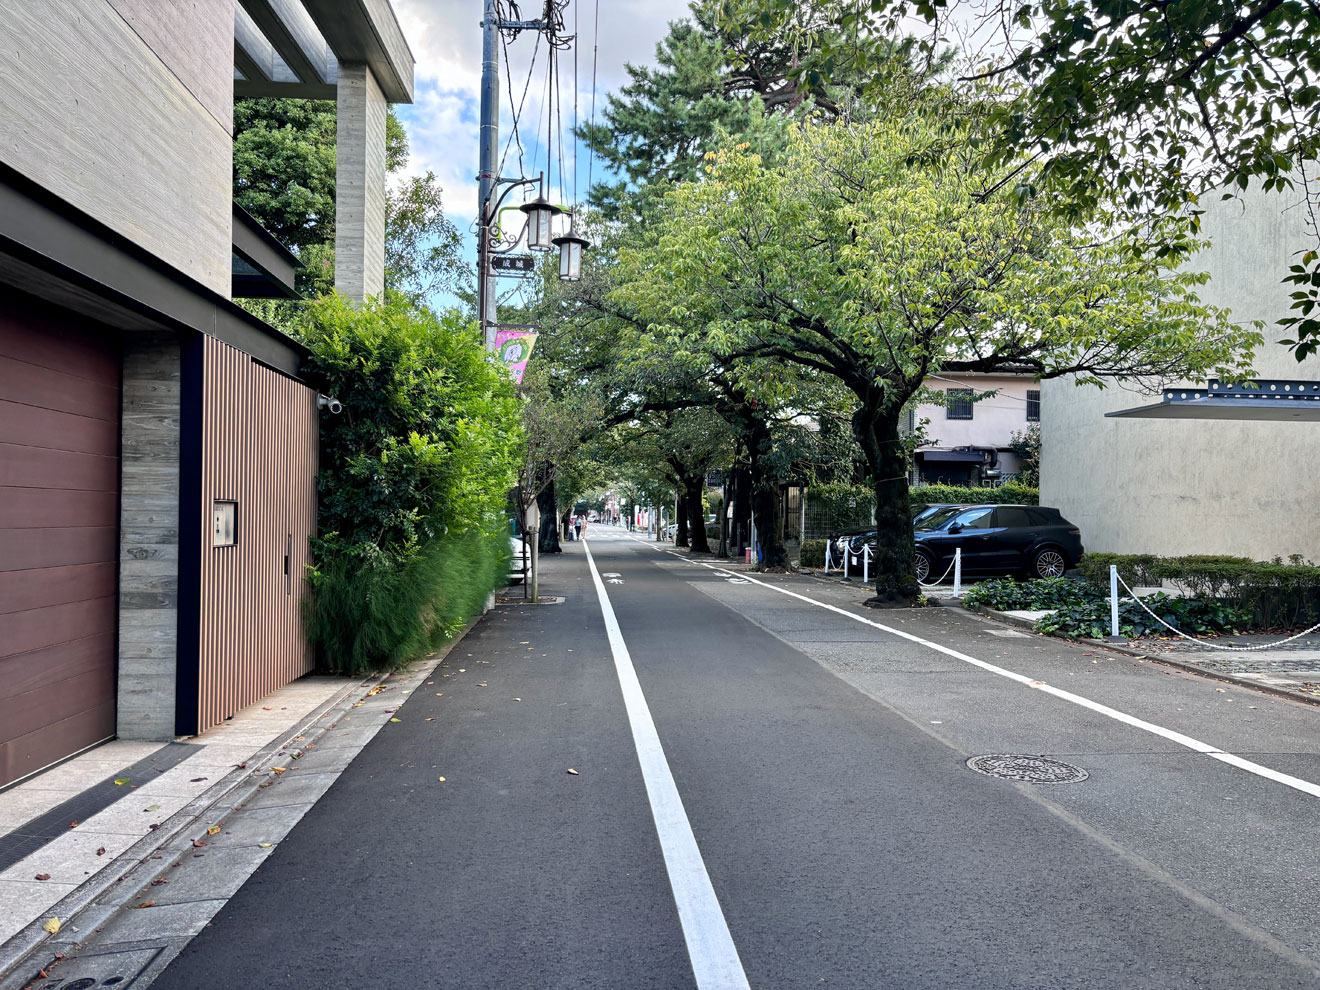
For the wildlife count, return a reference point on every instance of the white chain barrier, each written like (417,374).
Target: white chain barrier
(1214,646)
(955,565)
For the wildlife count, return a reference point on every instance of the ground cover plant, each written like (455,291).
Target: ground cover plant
(1004,594)
(1091,618)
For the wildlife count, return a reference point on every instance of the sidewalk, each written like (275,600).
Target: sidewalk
(71,838)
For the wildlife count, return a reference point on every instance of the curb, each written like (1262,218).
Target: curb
(1191,668)
(80,908)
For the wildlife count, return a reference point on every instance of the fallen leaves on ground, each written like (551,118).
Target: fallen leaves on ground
(442,779)
(52,925)
(145,904)
(198,843)
(152,807)
(73,824)
(396,720)
(266,708)
(265,845)
(278,769)
(573,772)
(430,719)
(121,781)
(159,881)
(101,851)
(214,829)
(43,876)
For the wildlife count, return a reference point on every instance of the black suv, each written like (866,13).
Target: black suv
(997,539)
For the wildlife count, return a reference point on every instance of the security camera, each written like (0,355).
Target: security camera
(331,403)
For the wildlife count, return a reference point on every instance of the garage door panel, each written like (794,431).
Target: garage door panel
(37,628)
(23,714)
(29,671)
(38,427)
(33,385)
(37,337)
(56,508)
(41,467)
(27,754)
(42,587)
(21,549)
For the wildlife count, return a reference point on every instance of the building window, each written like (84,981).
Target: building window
(958,404)
(1033,406)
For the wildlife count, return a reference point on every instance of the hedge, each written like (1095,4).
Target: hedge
(1269,593)
(1009,493)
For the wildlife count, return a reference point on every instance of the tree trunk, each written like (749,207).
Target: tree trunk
(741,511)
(765,498)
(549,542)
(694,485)
(877,430)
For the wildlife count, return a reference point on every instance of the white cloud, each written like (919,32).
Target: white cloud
(445,37)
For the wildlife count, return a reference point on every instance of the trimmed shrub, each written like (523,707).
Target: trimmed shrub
(1270,594)
(1010,493)
(812,553)
(1004,594)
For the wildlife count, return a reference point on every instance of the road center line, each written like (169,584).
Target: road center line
(715,962)
(1297,783)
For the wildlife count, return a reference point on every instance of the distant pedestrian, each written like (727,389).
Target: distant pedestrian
(578,523)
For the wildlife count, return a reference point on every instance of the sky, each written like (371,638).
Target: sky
(442,122)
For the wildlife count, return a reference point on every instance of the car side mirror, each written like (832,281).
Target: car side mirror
(956,528)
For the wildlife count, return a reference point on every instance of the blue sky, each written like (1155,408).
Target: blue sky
(445,37)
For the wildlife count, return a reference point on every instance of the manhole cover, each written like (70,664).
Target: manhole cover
(1032,769)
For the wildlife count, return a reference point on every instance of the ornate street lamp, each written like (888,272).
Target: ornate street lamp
(540,212)
(570,255)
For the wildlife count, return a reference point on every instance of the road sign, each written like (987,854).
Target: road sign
(512,264)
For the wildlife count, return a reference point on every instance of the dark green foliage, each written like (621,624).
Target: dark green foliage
(1269,594)
(1003,594)
(414,477)
(812,553)
(373,610)
(1010,493)
(1091,618)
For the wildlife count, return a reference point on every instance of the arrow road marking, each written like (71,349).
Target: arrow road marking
(616,580)
(714,957)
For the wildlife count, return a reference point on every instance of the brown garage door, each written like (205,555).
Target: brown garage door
(59,507)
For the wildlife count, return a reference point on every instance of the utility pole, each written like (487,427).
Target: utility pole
(490,149)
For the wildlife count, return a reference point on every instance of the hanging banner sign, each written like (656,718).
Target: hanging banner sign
(514,348)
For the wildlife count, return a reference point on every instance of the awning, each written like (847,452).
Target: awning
(952,456)
(1266,400)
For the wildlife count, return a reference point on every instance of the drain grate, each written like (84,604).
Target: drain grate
(1031,769)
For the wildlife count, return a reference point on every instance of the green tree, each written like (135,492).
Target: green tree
(284,175)
(1153,104)
(874,254)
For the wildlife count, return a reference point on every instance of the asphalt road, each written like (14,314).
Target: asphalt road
(820,764)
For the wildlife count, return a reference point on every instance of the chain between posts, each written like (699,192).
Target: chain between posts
(1213,646)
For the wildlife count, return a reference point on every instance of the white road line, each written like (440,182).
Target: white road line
(1297,783)
(715,962)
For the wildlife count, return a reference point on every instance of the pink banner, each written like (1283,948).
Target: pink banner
(515,347)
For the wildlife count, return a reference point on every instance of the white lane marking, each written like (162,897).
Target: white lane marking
(1297,783)
(714,957)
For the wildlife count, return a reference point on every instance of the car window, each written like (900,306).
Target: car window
(1039,517)
(935,518)
(1012,516)
(976,518)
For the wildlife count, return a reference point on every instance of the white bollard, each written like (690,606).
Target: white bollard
(828,545)
(957,572)
(1113,602)
(844,547)
(866,563)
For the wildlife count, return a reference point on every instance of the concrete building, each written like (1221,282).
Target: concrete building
(970,433)
(1196,486)
(158,444)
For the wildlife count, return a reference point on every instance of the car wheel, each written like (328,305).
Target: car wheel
(921,563)
(1049,562)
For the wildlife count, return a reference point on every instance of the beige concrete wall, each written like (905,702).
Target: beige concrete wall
(1196,486)
(360,183)
(120,109)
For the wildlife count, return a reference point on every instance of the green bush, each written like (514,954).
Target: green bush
(1010,493)
(812,553)
(1004,593)
(414,478)
(1269,594)
(372,610)
(1091,618)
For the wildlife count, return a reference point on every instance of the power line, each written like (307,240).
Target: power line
(517,114)
(595,49)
